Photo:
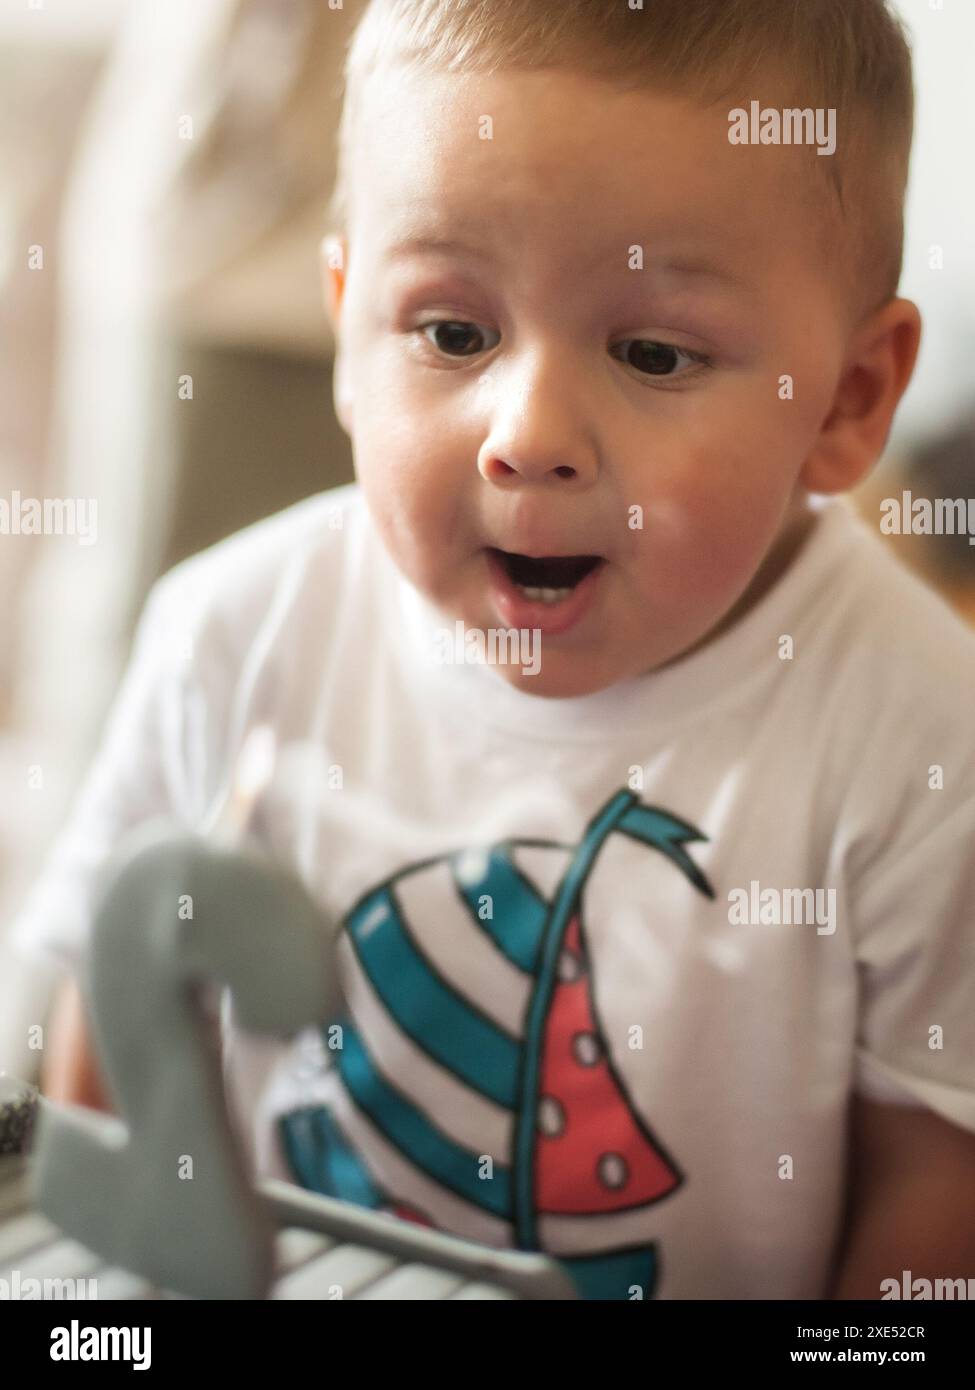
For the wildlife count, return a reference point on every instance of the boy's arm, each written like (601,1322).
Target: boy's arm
(71,1072)
(911,1202)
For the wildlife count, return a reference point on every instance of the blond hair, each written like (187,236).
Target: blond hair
(849,55)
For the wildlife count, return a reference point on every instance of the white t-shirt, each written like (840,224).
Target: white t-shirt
(612,965)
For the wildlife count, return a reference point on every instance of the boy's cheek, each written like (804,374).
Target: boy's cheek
(701,543)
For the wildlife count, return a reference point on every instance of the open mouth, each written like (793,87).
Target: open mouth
(549,578)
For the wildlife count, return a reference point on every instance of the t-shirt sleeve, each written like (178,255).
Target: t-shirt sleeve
(152,761)
(915,934)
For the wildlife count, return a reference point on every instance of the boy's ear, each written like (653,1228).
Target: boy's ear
(878,367)
(334,251)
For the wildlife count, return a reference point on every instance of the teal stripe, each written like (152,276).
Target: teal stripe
(439,1020)
(321,1159)
(518,911)
(425,1146)
(616,1276)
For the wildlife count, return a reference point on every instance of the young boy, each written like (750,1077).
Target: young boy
(656,924)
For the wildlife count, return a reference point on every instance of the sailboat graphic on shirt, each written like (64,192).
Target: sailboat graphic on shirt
(579,1169)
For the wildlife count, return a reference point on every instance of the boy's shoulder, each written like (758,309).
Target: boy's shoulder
(900,638)
(895,681)
(235,581)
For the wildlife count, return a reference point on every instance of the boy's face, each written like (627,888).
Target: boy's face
(561,408)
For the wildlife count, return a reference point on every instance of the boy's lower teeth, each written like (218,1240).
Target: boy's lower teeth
(544,595)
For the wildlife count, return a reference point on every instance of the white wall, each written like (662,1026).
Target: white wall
(78,22)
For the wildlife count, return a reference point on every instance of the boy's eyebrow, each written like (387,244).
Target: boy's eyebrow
(421,245)
(417,245)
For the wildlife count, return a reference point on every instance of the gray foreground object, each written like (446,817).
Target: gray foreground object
(164,1191)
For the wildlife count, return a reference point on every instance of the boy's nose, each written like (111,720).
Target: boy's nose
(529,468)
(540,433)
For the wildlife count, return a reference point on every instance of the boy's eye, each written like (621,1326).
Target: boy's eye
(453,337)
(657,359)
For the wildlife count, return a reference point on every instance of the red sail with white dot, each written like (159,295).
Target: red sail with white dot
(591,1155)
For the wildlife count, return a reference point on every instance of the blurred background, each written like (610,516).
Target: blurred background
(163,347)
